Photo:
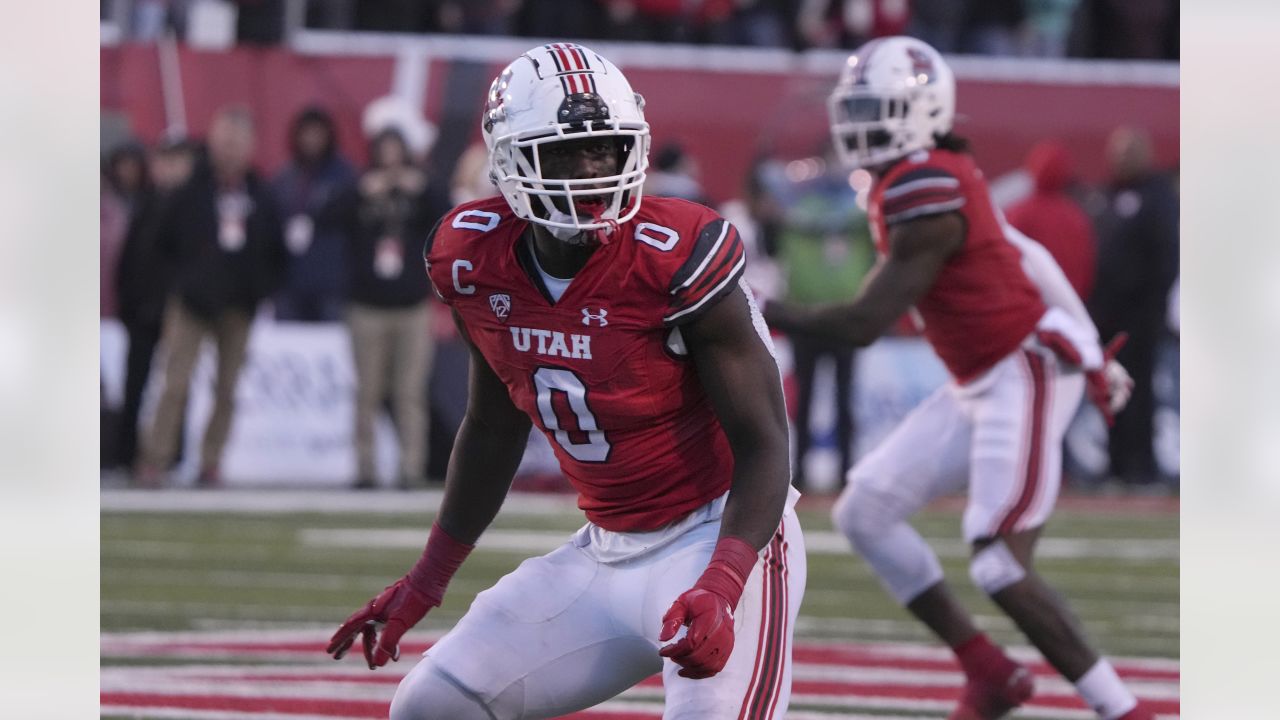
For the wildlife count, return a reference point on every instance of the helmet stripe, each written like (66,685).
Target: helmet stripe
(868,50)
(554,58)
(563,63)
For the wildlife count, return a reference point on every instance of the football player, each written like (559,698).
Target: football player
(1021,352)
(619,327)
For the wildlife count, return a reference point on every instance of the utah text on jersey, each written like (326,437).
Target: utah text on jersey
(596,369)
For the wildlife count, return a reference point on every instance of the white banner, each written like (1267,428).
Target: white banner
(294,410)
(296,395)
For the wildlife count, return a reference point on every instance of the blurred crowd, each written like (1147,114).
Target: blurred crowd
(1033,28)
(197,244)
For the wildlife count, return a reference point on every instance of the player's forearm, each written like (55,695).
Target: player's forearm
(843,323)
(484,461)
(761,480)
(755,425)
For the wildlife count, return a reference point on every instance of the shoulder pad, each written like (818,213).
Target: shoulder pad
(920,190)
(708,273)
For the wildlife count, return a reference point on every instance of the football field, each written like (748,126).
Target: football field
(219,604)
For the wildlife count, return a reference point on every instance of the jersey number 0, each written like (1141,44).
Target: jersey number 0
(548,381)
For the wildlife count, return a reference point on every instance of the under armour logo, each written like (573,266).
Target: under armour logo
(500,304)
(587,316)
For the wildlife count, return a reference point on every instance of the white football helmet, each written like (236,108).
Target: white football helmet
(557,92)
(894,95)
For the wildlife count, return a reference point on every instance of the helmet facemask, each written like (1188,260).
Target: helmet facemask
(569,206)
(895,96)
(562,92)
(870,128)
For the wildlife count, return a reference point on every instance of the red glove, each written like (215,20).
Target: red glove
(707,609)
(396,609)
(1110,386)
(402,604)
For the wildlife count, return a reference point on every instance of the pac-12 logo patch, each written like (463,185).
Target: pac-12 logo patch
(599,318)
(500,303)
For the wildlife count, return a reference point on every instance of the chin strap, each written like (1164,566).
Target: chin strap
(574,236)
(604,235)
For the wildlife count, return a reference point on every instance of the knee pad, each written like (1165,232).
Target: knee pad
(901,559)
(994,568)
(861,516)
(427,693)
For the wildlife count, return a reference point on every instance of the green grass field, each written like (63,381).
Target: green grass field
(170,564)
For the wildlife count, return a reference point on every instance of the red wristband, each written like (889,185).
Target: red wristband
(440,560)
(729,568)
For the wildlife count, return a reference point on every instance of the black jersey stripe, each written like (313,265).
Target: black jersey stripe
(925,210)
(707,239)
(924,173)
(715,271)
(706,301)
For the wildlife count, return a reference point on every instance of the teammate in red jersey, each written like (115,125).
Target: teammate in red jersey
(1020,349)
(622,331)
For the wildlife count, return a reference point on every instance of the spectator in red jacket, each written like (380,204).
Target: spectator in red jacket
(1051,217)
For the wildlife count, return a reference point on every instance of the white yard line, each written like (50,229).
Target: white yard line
(350,680)
(531,542)
(320,635)
(293,501)
(135,577)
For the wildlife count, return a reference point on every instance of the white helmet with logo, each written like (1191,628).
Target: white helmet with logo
(557,92)
(894,95)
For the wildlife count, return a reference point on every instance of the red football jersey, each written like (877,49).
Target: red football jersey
(602,372)
(982,305)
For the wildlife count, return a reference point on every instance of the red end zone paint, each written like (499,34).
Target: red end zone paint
(848,655)
(162,688)
(293,706)
(330,708)
(865,690)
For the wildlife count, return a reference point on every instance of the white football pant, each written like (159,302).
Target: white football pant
(1000,434)
(573,628)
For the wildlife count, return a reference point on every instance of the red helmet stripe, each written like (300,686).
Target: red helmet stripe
(564,60)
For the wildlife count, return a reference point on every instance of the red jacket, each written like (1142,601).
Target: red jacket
(1053,219)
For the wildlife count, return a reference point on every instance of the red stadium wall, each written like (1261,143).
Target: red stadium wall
(723,118)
